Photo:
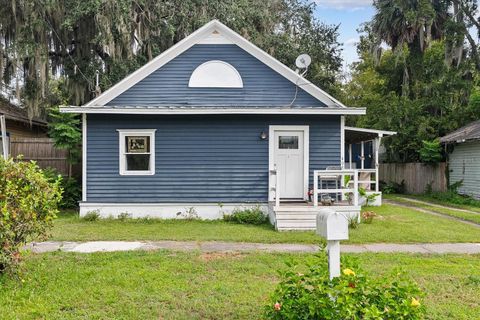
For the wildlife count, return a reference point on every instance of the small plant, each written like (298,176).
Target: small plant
(367,216)
(247,216)
(189,214)
(124,216)
(353,222)
(369,198)
(28,205)
(93,215)
(306,292)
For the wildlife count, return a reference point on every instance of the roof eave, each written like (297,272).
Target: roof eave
(206,111)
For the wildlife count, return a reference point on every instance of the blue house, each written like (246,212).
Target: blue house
(213,124)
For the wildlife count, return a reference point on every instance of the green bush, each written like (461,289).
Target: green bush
(28,204)
(247,216)
(392,187)
(72,191)
(306,292)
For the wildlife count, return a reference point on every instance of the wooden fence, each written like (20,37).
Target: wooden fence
(416,176)
(42,151)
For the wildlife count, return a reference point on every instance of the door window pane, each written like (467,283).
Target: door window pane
(288,142)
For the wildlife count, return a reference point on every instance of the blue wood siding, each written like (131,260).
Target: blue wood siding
(263,87)
(198,158)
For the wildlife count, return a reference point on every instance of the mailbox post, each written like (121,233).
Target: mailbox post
(333,226)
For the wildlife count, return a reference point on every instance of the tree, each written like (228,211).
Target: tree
(41,40)
(418,90)
(64,129)
(431,151)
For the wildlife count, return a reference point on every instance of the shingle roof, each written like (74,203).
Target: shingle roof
(469,132)
(13,112)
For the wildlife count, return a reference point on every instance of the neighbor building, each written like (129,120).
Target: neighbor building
(464,158)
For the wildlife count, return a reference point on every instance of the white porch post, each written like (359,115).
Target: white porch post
(3,129)
(377,162)
(362,155)
(350,155)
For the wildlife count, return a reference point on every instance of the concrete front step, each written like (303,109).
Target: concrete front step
(303,217)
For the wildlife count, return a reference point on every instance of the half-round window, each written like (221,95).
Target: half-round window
(215,74)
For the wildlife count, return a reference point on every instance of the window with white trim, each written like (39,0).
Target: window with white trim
(137,151)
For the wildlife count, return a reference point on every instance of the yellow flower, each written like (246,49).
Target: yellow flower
(348,272)
(415,303)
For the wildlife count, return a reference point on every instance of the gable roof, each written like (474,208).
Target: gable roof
(212,32)
(467,133)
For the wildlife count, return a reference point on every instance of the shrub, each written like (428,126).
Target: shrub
(311,294)
(93,215)
(28,204)
(392,187)
(247,216)
(72,191)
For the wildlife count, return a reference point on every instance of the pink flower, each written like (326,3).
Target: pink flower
(277,306)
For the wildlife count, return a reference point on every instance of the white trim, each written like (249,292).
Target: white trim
(166,210)
(198,36)
(379,132)
(84,157)
(122,133)
(306,155)
(215,38)
(342,142)
(3,135)
(215,74)
(214,110)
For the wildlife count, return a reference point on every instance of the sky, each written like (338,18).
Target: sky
(349,14)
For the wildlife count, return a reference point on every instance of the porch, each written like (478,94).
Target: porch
(344,188)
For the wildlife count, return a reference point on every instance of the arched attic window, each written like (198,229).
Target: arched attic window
(215,74)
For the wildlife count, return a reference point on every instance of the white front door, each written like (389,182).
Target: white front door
(289,161)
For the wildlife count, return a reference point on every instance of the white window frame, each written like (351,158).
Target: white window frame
(122,133)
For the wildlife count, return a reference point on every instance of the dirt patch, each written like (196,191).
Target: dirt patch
(211,256)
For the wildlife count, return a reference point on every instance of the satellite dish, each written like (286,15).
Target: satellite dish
(303,61)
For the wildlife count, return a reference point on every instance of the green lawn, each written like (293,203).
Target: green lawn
(467,216)
(394,224)
(193,285)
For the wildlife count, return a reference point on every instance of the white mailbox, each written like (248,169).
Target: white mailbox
(332,225)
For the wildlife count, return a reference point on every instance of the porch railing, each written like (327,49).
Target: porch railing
(371,181)
(343,188)
(276,186)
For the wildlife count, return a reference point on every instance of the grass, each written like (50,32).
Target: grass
(394,224)
(467,216)
(194,285)
(445,202)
